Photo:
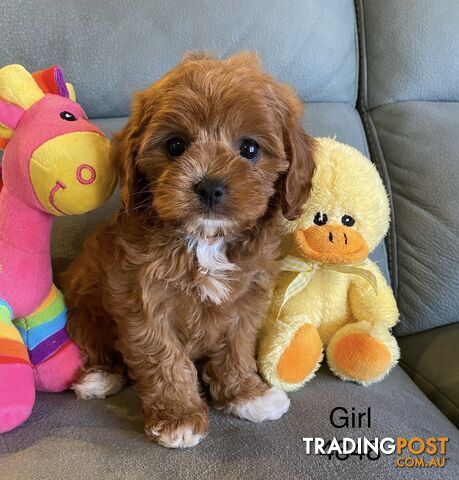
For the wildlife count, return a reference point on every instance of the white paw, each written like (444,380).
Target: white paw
(183,437)
(269,406)
(98,384)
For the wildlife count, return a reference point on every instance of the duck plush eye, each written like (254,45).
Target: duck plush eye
(320,219)
(347,220)
(69,117)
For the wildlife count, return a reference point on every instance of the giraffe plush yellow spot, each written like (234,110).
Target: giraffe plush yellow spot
(329,295)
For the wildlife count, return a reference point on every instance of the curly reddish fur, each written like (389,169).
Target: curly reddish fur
(137,295)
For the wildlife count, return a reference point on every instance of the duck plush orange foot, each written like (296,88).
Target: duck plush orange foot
(329,295)
(55,163)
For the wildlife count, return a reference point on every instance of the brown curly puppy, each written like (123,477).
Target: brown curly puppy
(212,156)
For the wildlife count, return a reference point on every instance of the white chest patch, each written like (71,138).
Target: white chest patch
(212,256)
(215,267)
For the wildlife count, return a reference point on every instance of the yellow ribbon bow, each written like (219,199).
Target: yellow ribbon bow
(306,271)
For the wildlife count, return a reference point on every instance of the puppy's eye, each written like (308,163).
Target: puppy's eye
(69,117)
(249,149)
(347,220)
(320,218)
(175,146)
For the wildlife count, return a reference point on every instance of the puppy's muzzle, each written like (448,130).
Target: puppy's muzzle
(211,191)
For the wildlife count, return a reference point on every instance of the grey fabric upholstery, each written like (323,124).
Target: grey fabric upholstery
(408,98)
(421,145)
(430,359)
(104,439)
(412,50)
(109,49)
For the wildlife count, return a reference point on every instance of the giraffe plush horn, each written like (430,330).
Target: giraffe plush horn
(52,81)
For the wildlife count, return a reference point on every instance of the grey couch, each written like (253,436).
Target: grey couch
(382,76)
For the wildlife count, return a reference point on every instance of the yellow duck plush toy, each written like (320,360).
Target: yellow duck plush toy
(329,295)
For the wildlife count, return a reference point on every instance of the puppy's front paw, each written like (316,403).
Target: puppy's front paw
(182,433)
(271,405)
(98,384)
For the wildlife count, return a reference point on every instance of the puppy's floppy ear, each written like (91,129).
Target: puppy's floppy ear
(297,181)
(124,150)
(299,148)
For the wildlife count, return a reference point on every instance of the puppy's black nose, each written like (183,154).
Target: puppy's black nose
(211,191)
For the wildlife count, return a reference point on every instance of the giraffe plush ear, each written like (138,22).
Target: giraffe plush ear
(18,87)
(18,92)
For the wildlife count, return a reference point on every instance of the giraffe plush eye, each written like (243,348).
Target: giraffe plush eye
(320,219)
(69,117)
(347,220)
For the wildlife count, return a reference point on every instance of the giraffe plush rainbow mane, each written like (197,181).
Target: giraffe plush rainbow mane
(55,162)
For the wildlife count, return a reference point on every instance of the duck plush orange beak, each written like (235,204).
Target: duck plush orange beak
(333,244)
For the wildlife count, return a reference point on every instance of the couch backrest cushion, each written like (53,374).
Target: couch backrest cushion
(413,45)
(410,105)
(109,49)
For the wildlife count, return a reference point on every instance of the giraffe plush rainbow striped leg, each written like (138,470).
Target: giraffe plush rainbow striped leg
(17,389)
(53,355)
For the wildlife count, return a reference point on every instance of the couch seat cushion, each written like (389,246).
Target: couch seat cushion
(70,438)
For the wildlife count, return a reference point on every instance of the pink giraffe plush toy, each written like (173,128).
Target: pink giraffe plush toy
(55,162)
